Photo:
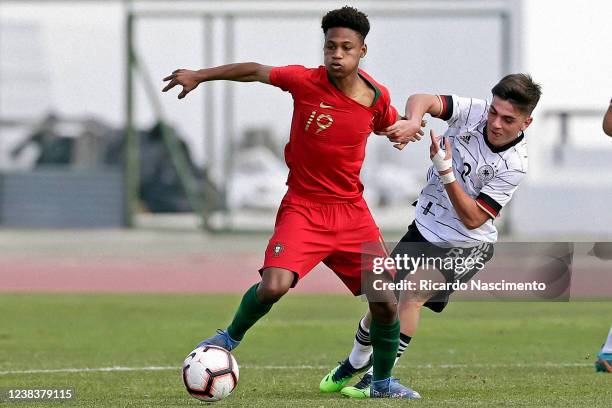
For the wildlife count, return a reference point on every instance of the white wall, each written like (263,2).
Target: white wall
(568,49)
(83,47)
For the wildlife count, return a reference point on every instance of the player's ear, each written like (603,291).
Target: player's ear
(364,50)
(526,123)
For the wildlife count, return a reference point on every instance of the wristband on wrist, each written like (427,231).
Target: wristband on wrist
(448,178)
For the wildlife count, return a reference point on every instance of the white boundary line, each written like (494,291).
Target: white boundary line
(287,367)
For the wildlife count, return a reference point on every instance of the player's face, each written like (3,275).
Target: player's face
(505,122)
(342,51)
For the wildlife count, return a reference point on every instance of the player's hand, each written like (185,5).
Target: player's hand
(403,132)
(417,136)
(186,78)
(434,149)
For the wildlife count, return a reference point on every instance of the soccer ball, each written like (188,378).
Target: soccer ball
(210,373)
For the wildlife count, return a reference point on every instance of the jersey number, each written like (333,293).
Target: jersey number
(323,121)
(466,171)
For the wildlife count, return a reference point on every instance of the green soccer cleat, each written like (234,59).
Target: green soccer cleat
(337,378)
(360,390)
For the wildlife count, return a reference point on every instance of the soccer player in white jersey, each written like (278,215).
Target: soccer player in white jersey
(604,357)
(474,175)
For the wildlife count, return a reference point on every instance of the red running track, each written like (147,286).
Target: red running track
(209,273)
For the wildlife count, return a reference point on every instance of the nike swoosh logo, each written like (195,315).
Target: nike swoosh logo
(324,106)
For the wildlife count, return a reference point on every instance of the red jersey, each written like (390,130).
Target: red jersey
(329,131)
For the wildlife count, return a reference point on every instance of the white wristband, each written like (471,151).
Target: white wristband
(448,178)
(440,163)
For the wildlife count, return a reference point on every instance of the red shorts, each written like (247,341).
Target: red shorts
(342,235)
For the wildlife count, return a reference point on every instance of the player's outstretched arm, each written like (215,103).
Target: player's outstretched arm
(416,108)
(420,104)
(471,215)
(242,72)
(607,121)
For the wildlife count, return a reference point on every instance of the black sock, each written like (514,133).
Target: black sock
(362,336)
(404,342)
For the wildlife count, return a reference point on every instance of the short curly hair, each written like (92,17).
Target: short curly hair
(348,17)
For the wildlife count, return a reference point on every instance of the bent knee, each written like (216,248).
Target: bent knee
(410,305)
(271,293)
(386,312)
(415,297)
(274,284)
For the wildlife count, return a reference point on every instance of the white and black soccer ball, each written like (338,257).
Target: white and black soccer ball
(210,373)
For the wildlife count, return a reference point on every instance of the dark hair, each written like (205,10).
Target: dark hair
(520,91)
(348,17)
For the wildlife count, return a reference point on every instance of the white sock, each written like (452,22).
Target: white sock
(362,347)
(607,348)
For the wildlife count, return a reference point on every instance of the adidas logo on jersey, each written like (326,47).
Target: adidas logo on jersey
(466,137)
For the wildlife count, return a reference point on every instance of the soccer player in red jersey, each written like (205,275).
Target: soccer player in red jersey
(323,217)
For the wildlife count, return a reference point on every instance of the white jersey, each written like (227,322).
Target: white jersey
(607,347)
(486,173)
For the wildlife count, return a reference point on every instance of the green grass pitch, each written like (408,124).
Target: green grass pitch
(474,354)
